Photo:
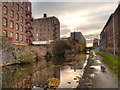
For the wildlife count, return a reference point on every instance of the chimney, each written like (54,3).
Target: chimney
(45,15)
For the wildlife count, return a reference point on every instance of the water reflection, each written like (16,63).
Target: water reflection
(44,74)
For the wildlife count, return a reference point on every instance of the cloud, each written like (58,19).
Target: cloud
(88,18)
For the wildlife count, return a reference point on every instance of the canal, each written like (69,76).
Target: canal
(45,74)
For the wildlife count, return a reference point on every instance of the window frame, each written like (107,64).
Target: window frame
(5,24)
(5,10)
(11,26)
(12,14)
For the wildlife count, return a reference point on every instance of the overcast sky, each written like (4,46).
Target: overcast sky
(87,17)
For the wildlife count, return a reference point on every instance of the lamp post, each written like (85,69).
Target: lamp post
(113,34)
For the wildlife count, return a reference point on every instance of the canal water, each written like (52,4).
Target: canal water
(45,74)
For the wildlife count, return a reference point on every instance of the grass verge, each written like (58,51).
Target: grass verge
(111,61)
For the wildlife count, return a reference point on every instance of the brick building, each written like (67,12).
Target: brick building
(109,37)
(78,36)
(15,22)
(95,42)
(46,28)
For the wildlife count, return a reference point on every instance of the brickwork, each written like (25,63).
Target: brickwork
(17,31)
(108,40)
(46,28)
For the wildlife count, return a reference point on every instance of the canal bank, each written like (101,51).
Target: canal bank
(41,73)
(87,80)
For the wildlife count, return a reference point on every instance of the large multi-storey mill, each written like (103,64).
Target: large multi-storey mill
(46,28)
(16,22)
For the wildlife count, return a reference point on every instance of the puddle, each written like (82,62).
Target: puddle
(96,67)
(98,61)
(92,75)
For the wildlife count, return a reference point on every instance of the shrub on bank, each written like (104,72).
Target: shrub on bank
(26,56)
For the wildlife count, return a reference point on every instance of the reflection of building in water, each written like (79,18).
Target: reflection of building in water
(40,76)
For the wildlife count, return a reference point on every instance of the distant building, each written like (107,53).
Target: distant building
(78,36)
(95,43)
(46,28)
(79,39)
(110,35)
(15,19)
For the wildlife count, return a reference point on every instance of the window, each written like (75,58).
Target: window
(5,10)
(33,30)
(48,39)
(37,21)
(17,36)
(36,30)
(11,14)
(36,39)
(41,30)
(21,28)
(11,24)
(48,34)
(40,34)
(44,25)
(17,26)
(11,3)
(48,29)
(25,4)
(21,19)
(44,29)
(40,39)
(17,17)
(21,37)
(44,34)
(33,38)
(5,22)
(28,8)
(21,10)
(17,7)
(25,30)
(36,34)
(36,25)
(33,24)
(11,34)
(33,34)
(40,25)
(44,20)
(25,39)
(5,33)
(48,24)
(44,39)
(41,20)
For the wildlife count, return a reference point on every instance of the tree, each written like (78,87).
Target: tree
(59,47)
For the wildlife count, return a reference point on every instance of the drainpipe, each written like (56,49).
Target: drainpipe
(113,34)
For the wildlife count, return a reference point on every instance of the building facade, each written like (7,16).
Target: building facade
(78,36)
(16,21)
(46,28)
(79,39)
(95,42)
(109,37)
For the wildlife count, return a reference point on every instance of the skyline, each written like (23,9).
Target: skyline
(84,17)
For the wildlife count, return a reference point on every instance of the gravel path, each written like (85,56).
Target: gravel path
(103,79)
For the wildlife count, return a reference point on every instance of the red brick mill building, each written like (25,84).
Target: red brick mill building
(110,35)
(16,22)
(46,28)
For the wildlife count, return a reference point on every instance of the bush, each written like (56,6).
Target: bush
(60,47)
(26,56)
